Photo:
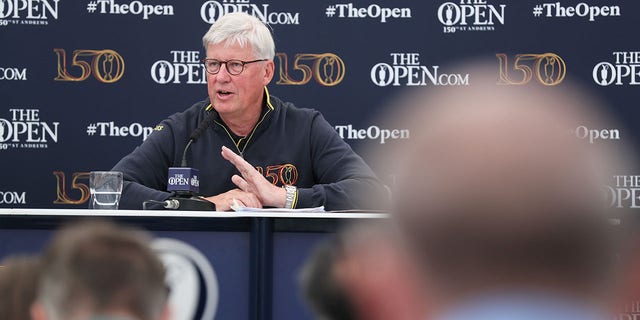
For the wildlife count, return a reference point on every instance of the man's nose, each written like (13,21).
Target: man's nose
(223,73)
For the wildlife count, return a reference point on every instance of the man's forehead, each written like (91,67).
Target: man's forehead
(229,46)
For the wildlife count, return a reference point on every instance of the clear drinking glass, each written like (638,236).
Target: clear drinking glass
(105,187)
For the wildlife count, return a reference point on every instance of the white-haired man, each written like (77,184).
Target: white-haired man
(287,157)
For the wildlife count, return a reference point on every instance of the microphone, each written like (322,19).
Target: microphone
(184,180)
(195,135)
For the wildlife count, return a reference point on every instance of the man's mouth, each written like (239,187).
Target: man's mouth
(223,93)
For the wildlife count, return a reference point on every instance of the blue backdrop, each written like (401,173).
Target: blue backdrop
(83,82)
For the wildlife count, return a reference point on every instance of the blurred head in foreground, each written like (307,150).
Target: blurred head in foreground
(98,269)
(364,273)
(324,293)
(18,285)
(498,199)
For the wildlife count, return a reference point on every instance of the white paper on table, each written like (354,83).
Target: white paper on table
(239,208)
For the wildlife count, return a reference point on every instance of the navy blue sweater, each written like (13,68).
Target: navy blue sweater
(289,146)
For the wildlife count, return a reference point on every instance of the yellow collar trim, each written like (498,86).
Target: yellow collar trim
(268,98)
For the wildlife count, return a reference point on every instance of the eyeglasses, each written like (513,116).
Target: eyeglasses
(234,67)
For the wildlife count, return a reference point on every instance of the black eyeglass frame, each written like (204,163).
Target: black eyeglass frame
(243,63)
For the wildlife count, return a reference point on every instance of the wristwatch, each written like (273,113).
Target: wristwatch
(292,197)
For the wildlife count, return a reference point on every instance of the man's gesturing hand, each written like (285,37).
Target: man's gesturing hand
(252,181)
(223,201)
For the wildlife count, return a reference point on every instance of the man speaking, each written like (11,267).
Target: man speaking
(258,150)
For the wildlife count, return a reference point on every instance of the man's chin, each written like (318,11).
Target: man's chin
(223,108)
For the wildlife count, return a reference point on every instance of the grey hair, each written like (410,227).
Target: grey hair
(243,29)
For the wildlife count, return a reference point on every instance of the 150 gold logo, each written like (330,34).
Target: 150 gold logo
(76,184)
(326,68)
(549,69)
(281,174)
(106,65)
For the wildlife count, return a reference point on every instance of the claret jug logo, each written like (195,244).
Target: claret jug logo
(625,70)
(211,11)
(548,69)
(25,130)
(107,66)
(470,15)
(406,70)
(28,12)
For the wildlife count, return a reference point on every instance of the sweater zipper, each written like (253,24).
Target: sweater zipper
(236,144)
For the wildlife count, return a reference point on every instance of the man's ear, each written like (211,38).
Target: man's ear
(268,72)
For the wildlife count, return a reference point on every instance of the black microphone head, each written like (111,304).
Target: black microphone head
(202,127)
(195,135)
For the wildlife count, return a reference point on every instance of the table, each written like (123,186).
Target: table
(233,265)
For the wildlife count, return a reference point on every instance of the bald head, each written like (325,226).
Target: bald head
(496,192)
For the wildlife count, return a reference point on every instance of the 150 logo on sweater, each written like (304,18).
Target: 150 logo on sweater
(281,174)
